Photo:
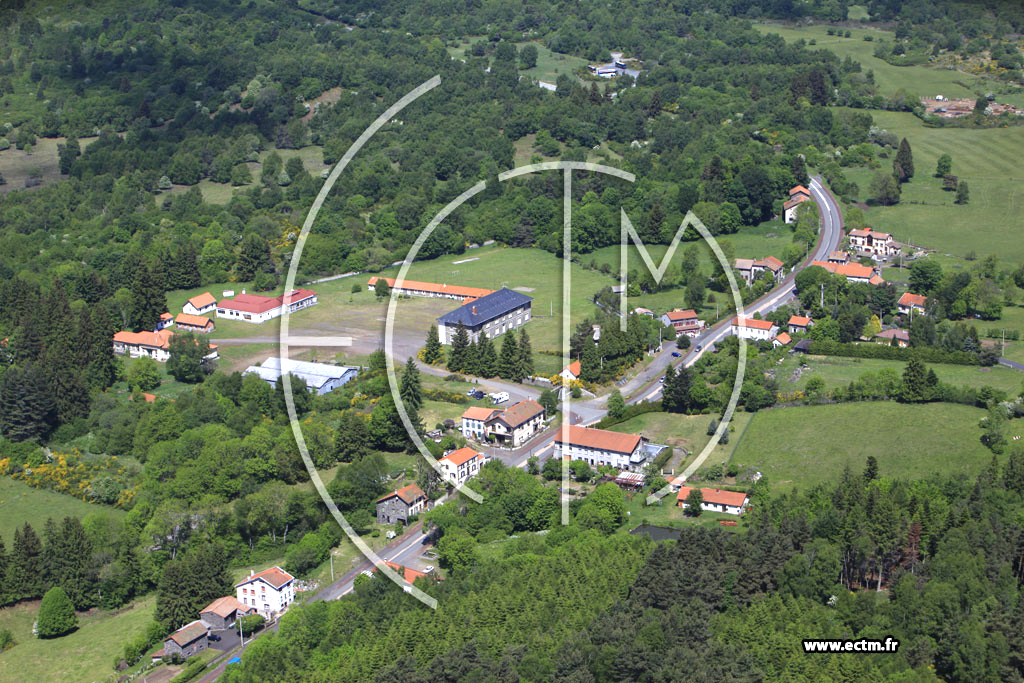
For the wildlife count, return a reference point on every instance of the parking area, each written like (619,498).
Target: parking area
(228,639)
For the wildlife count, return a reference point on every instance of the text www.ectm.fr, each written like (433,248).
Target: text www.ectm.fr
(890,644)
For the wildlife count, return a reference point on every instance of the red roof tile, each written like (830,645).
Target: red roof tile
(588,437)
(193,320)
(202,300)
(688,314)
(752,323)
(461,456)
(254,303)
(186,634)
(783,338)
(799,320)
(275,576)
(574,368)
(715,496)
(223,607)
(799,188)
(409,494)
(478,413)
(434,288)
(909,299)
(519,413)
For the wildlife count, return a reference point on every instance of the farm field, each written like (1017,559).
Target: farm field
(550,65)
(20,503)
(685,432)
(87,654)
(988,159)
(804,446)
(839,372)
(920,80)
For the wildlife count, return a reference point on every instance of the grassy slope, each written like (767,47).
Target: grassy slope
(807,445)
(20,503)
(85,655)
(684,431)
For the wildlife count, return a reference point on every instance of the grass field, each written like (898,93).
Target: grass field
(85,655)
(838,372)
(684,432)
(804,446)
(20,503)
(551,65)
(920,80)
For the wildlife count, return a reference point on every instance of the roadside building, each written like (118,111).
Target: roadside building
(222,612)
(155,345)
(797,196)
(751,269)
(461,465)
(839,257)
(853,272)
(516,424)
(911,302)
(798,324)
(401,504)
(186,641)
(867,241)
(269,591)
(571,371)
(601,447)
(487,317)
(683,322)
(320,378)
(716,500)
(752,328)
(474,422)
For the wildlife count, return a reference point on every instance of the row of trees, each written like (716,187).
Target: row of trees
(477,357)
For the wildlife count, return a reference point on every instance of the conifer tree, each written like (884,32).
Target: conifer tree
(460,345)
(410,388)
(508,359)
(432,352)
(188,264)
(25,567)
(471,364)
(351,440)
(525,354)
(147,300)
(60,359)
(27,408)
(487,357)
(905,160)
(70,560)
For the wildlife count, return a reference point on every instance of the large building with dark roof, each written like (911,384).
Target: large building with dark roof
(489,316)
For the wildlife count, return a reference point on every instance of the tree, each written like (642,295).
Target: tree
(871,469)
(253,257)
(695,291)
(549,401)
(381,289)
(410,388)
(144,374)
(616,404)
(528,56)
(67,153)
(487,361)
(873,327)
(187,363)
(457,551)
(25,567)
(352,438)
(963,193)
(27,407)
(147,299)
(885,189)
(432,352)
(944,166)
(552,469)
(925,276)
(525,354)
(69,557)
(581,471)
(915,387)
(460,346)
(676,389)
(694,501)
(508,358)
(905,159)
(56,614)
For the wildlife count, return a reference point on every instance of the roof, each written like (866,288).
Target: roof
(223,607)
(799,188)
(688,314)
(894,332)
(795,201)
(148,398)
(848,269)
(166,316)
(313,374)
(783,338)
(202,300)
(478,413)
(519,413)
(631,478)
(255,303)
(409,494)
(909,299)
(839,255)
(876,280)
(573,368)
(196,320)
(770,262)
(408,573)
(753,323)
(744,263)
(588,437)
(486,308)
(186,634)
(868,232)
(451,290)
(461,456)
(159,340)
(803,345)
(799,320)
(275,576)
(715,496)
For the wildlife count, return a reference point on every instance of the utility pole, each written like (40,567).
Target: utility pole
(822,303)
(332,565)
(241,636)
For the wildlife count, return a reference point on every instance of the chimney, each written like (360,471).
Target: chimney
(252,573)
(474,310)
(243,290)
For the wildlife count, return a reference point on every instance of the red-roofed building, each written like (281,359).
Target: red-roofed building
(751,269)
(200,304)
(781,339)
(474,421)
(797,196)
(253,308)
(867,241)
(517,423)
(716,500)
(798,324)
(401,504)
(188,640)
(461,464)
(156,345)
(571,371)
(752,328)
(431,289)
(193,323)
(900,338)
(166,320)
(222,612)
(601,447)
(911,302)
(853,272)
(839,257)
(269,591)
(683,322)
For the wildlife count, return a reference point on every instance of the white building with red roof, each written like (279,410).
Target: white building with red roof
(155,345)
(752,328)
(269,591)
(853,272)
(716,500)
(200,304)
(430,289)
(683,322)
(781,339)
(254,308)
(571,371)
(797,196)
(193,323)
(798,324)
(601,447)
(751,269)
(461,464)
(911,302)
(867,241)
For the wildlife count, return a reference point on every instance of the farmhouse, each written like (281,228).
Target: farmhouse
(320,378)
(489,316)
(601,447)
(222,612)
(430,289)
(911,302)
(193,323)
(269,591)
(797,196)
(900,338)
(200,304)
(571,371)
(853,272)
(516,424)
(684,322)
(867,241)
(401,504)
(156,345)
(798,324)
(187,640)
(474,421)
(716,500)
(752,328)
(253,308)
(751,269)
(461,464)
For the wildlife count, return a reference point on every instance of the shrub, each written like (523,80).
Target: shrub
(194,667)
(251,623)
(56,614)
(6,639)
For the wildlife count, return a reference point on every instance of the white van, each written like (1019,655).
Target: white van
(500,397)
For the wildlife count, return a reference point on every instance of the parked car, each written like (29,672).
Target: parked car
(429,568)
(700,347)
(477,394)
(676,354)
(213,637)
(661,379)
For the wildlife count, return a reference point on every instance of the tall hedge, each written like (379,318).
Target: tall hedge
(828,347)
